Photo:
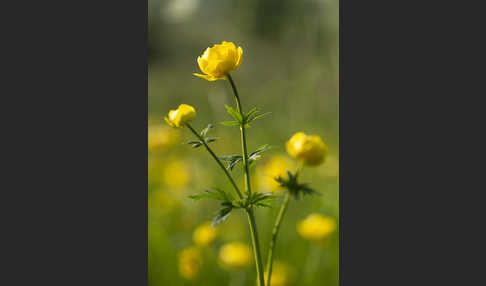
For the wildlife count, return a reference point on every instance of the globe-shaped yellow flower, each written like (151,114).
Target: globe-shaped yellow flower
(182,115)
(316,227)
(235,255)
(204,234)
(308,149)
(189,262)
(217,61)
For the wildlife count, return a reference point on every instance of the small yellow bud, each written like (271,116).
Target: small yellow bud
(217,61)
(189,262)
(308,149)
(182,115)
(316,227)
(204,234)
(235,255)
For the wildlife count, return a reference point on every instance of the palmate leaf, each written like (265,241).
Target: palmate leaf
(255,155)
(235,114)
(210,139)
(294,187)
(194,144)
(232,160)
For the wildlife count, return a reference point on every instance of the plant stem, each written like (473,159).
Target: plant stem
(256,246)
(276,228)
(249,211)
(273,240)
(243,138)
(217,159)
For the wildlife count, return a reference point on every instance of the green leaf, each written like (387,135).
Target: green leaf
(235,114)
(230,123)
(257,116)
(209,194)
(210,139)
(205,130)
(222,215)
(232,160)
(255,155)
(194,144)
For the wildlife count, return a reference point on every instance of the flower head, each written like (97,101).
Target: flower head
(217,61)
(316,227)
(189,262)
(235,255)
(308,149)
(182,115)
(204,234)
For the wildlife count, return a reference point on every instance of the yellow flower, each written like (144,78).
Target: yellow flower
(308,149)
(189,262)
(235,255)
(182,115)
(316,227)
(161,137)
(277,166)
(176,174)
(204,234)
(217,61)
(281,274)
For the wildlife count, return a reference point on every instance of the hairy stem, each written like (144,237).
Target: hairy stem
(273,240)
(217,160)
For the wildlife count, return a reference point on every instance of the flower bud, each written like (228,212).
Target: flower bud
(217,61)
(316,227)
(182,115)
(308,149)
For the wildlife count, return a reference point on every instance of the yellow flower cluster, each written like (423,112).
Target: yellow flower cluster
(190,262)
(217,61)
(316,227)
(235,255)
(182,115)
(308,149)
(204,234)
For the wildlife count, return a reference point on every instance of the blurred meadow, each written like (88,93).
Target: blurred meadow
(290,68)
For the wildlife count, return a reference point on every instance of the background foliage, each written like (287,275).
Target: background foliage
(290,68)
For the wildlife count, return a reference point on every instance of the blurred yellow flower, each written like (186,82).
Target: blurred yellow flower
(282,274)
(217,61)
(235,255)
(308,149)
(176,174)
(189,262)
(161,137)
(277,166)
(161,202)
(204,234)
(182,115)
(316,227)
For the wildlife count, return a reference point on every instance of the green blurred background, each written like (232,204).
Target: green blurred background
(290,68)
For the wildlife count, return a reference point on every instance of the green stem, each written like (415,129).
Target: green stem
(256,246)
(276,228)
(249,211)
(216,158)
(243,137)
(273,240)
